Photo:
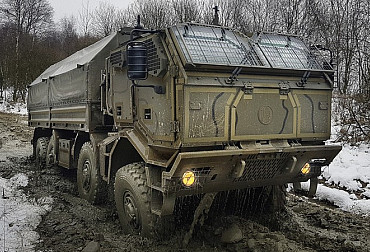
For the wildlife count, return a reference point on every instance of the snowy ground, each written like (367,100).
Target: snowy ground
(17,108)
(19,215)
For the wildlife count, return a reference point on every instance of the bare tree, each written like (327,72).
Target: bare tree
(68,35)
(104,19)
(26,17)
(85,19)
(155,13)
(29,16)
(186,10)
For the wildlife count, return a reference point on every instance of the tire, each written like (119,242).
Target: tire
(90,185)
(51,153)
(40,151)
(132,197)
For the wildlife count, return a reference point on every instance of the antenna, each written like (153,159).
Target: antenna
(215,20)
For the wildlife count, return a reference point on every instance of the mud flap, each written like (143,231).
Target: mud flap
(312,189)
(200,214)
(297,186)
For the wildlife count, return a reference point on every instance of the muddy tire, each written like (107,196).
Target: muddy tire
(132,197)
(51,153)
(40,151)
(90,185)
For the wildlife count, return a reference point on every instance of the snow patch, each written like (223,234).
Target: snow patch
(17,108)
(348,202)
(350,169)
(19,215)
(344,200)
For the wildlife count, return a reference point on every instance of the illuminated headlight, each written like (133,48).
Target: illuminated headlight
(306,169)
(188,178)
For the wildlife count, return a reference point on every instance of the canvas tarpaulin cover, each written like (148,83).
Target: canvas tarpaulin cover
(65,81)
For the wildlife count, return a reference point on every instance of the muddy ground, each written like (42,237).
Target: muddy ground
(307,225)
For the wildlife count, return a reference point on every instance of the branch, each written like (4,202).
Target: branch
(357,122)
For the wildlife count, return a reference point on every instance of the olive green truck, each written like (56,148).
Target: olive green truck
(187,110)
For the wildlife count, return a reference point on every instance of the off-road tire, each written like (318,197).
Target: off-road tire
(51,156)
(40,151)
(90,185)
(132,197)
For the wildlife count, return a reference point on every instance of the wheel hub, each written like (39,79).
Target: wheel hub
(86,176)
(52,158)
(38,158)
(131,210)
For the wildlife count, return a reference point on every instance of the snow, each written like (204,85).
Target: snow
(11,107)
(348,202)
(19,215)
(17,108)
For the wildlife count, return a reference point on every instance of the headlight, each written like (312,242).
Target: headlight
(188,178)
(306,169)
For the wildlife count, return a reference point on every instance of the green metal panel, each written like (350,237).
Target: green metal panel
(265,114)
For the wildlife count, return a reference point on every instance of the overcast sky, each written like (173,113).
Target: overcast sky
(66,8)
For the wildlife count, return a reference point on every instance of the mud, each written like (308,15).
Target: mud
(307,225)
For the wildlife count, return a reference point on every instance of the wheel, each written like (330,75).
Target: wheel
(132,198)
(51,153)
(89,183)
(40,151)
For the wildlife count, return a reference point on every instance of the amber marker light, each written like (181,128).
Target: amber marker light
(188,178)
(306,169)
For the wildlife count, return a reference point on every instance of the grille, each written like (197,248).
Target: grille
(116,58)
(153,59)
(262,168)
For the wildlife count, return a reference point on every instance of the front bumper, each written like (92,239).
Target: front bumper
(223,170)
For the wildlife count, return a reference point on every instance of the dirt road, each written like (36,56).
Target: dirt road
(307,225)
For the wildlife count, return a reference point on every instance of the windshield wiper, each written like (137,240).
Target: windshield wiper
(304,79)
(237,70)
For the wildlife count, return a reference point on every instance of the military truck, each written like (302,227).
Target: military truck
(187,110)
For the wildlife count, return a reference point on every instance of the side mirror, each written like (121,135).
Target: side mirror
(137,61)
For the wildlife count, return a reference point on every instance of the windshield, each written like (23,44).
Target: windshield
(215,45)
(202,44)
(282,51)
